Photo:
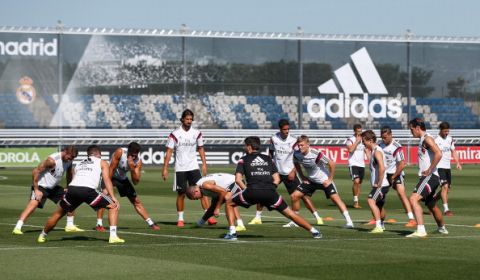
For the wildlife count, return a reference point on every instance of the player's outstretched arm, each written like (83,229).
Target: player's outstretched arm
(437,154)
(201,152)
(239,180)
(166,160)
(115,160)
(457,159)
(108,182)
(135,170)
(45,165)
(381,169)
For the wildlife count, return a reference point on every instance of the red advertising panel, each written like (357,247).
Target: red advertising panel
(339,154)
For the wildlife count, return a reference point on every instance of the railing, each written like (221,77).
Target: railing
(55,137)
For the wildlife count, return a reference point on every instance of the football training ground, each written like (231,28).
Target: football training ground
(265,251)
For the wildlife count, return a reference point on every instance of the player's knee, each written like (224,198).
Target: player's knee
(413,199)
(296,195)
(135,201)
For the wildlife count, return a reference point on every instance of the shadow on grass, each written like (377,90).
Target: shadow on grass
(82,238)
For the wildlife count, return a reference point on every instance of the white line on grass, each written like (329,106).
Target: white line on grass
(139,233)
(220,242)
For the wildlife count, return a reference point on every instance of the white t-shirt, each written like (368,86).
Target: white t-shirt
(357,158)
(393,154)
(223,180)
(87,173)
(447,146)
(185,144)
(52,177)
(374,168)
(425,157)
(283,152)
(122,168)
(314,163)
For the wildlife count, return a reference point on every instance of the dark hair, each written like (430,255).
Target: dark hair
(303,138)
(417,122)
(282,123)
(190,192)
(369,135)
(386,129)
(93,149)
(444,125)
(186,113)
(253,141)
(134,147)
(71,149)
(356,126)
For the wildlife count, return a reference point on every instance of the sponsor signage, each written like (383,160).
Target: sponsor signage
(23,157)
(346,83)
(467,154)
(29,47)
(216,155)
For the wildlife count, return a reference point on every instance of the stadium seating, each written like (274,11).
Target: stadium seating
(15,114)
(217,110)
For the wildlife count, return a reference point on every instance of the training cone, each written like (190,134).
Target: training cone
(477,225)
(392,221)
(328,219)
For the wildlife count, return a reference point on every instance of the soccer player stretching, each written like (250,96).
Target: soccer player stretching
(428,157)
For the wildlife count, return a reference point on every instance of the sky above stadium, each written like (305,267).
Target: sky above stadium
(423,17)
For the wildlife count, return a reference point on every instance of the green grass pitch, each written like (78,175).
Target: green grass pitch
(265,251)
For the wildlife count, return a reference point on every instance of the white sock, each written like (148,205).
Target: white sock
(410,216)
(232,230)
(70,221)
(421,228)
(315,214)
(355,198)
(445,207)
(313,230)
(258,215)
(149,222)
(100,222)
(43,234)
(201,222)
(347,217)
(180,215)
(240,223)
(378,223)
(19,224)
(442,227)
(113,231)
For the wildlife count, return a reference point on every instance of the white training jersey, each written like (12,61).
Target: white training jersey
(185,144)
(223,180)
(315,164)
(447,146)
(87,173)
(393,155)
(357,158)
(283,152)
(52,177)
(374,168)
(122,169)
(425,157)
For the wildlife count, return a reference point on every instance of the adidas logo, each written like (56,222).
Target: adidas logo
(368,82)
(258,161)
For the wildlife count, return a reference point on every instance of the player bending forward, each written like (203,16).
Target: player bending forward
(83,188)
(262,179)
(218,186)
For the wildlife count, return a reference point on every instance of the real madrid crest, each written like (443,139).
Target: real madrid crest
(26,92)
